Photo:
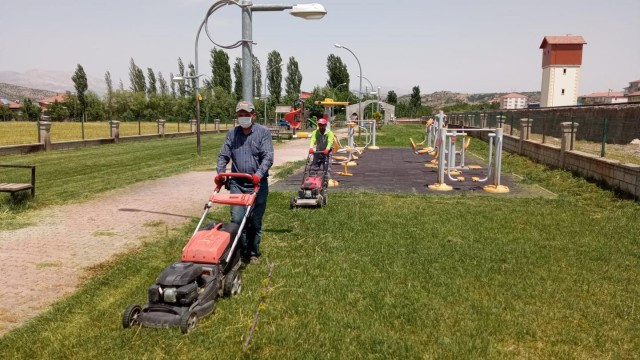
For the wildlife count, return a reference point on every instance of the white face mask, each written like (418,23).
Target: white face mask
(244,121)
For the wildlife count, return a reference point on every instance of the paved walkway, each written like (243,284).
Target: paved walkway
(42,263)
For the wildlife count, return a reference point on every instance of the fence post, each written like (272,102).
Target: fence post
(161,124)
(500,121)
(604,136)
(525,132)
(483,121)
(115,130)
(193,126)
(44,130)
(569,130)
(216,125)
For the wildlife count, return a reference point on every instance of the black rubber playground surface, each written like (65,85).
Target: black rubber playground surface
(400,170)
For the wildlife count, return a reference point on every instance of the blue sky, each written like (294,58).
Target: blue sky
(463,46)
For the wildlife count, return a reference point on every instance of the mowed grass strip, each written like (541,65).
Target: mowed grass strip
(391,276)
(79,174)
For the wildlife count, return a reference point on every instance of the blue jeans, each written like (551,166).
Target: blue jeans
(252,232)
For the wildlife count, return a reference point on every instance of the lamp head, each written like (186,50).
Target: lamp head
(337,45)
(309,11)
(178,79)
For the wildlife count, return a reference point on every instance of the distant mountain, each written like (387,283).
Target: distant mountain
(15,92)
(443,98)
(56,81)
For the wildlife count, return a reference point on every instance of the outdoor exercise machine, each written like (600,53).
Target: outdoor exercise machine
(495,156)
(430,134)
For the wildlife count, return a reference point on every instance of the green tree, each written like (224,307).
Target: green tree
(274,75)
(162,84)
(73,105)
(136,78)
(107,80)
(257,78)
(415,100)
(121,104)
(221,104)
(57,111)
(95,107)
(31,111)
(5,112)
(152,88)
(80,83)
(172,86)
(221,70)
(182,90)
(237,73)
(392,98)
(191,88)
(293,80)
(337,72)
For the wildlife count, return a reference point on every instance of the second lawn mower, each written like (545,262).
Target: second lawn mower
(315,181)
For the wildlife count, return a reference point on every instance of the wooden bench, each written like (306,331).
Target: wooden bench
(16,187)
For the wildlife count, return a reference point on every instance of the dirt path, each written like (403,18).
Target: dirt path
(42,263)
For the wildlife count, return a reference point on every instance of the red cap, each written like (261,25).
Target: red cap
(322,122)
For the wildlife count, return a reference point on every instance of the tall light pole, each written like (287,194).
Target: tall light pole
(360,88)
(335,91)
(370,93)
(306,11)
(266,73)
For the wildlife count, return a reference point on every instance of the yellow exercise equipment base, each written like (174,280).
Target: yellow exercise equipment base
(500,189)
(440,187)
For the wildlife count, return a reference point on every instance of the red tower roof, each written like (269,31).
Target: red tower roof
(565,40)
(562,50)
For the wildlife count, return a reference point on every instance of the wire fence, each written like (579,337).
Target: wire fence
(607,131)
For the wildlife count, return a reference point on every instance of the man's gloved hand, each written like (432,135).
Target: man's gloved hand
(219,180)
(325,151)
(256,179)
(311,150)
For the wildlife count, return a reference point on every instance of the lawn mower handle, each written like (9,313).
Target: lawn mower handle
(221,178)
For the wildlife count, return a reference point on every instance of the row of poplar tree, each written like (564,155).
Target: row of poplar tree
(151,96)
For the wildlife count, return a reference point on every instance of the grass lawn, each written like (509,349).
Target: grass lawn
(26,132)
(391,276)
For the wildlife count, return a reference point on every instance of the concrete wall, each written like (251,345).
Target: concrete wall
(623,121)
(625,177)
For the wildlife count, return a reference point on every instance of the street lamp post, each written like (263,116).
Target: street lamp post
(360,88)
(335,91)
(266,73)
(197,80)
(306,11)
(370,93)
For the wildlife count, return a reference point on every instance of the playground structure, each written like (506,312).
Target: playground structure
(295,117)
(448,138)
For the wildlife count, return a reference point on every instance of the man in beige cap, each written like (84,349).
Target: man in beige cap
(250,149)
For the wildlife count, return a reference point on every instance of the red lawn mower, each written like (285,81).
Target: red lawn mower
(315,181)
(210,267)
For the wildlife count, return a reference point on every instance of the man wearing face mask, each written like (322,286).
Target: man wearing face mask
(250,149)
